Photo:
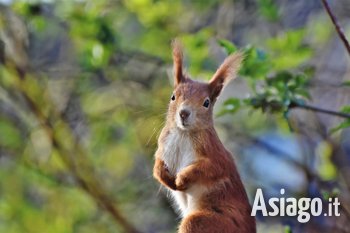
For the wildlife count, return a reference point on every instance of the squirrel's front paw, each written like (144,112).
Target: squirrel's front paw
(161,173)
(181,182)
(161,169)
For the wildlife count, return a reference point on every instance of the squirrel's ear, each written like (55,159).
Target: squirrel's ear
(226,72)
(177,60)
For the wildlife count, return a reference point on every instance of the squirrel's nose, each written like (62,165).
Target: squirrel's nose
(184,114)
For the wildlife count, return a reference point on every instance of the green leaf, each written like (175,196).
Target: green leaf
(346,83)
(256,64)
(269,10)
(288,229)
(330,194)
(231,105)
(343,125)
(345,109)
(325,194)
(302,93)
(228,46)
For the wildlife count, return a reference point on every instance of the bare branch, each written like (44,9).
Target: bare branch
(321,110)
(337,26)
(2,52)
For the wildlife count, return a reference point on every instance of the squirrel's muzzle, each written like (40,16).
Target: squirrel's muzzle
(184,114)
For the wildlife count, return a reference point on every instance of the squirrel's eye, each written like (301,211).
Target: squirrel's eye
(206,103)
(172,97)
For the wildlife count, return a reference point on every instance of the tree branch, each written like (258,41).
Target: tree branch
(337,26)
(83,173)
(2,52)
(317,109)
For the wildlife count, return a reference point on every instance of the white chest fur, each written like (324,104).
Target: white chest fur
(178,151)
(178,154)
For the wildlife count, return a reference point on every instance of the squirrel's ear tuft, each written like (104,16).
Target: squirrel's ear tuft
(177,60)
(225,73)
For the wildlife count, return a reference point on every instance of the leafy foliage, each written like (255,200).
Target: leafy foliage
(272,90)
(345,123)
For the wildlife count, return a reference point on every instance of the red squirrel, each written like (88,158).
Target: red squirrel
(191,161)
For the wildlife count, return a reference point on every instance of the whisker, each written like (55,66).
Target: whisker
(156,131)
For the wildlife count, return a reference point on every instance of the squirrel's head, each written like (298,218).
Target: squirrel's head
(191,103)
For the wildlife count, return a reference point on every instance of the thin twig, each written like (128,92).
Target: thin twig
(321,110)
(2,52)
(337,26)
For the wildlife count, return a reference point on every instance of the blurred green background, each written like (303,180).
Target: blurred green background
(84,87)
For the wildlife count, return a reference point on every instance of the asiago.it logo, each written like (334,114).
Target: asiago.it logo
(303,208)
